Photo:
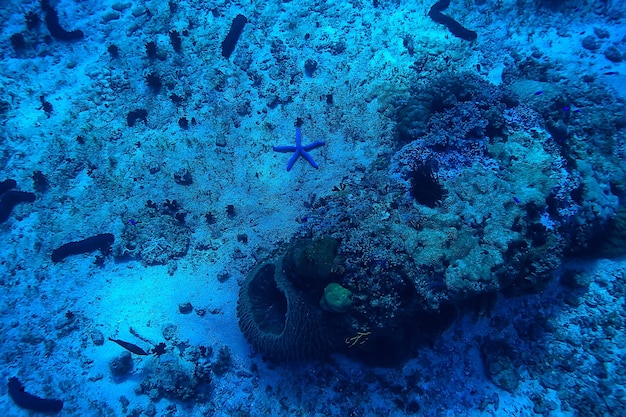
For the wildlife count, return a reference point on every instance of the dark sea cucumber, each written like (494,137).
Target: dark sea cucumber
(55,28)
(29,401)
(228,46)
(453,26)
(10,199)
(100,242)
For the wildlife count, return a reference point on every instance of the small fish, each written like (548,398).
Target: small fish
(133,222)
(538,93)
(130,347)
(566,109)
(611,73)
(516,200)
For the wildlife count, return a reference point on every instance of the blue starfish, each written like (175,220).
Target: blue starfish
(300,150)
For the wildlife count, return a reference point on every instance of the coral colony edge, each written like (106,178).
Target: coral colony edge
(451,243)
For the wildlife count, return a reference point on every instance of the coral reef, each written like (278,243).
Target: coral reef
(479,200)
(169,377)
(155,235)
(310,263)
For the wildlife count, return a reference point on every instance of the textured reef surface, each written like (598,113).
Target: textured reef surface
(452,241)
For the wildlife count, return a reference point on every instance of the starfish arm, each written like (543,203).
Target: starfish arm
(298,137)
(293,160)
(309,158)
(314,145)
(284,149)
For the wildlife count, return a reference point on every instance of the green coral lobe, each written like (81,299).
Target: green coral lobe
(336,299)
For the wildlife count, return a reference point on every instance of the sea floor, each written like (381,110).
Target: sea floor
(203,151)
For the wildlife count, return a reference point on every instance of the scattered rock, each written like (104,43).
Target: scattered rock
(121,365)
(97,337)
(601,33)
(183,177)
(223,276)
(150,410)
(591,43)
(613,54)
(154,167)
(185,308)
(499,366)
(121,6)
(220,141)
(110,15)
(139,11)
(575,279)
(169,332)
(310,65)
